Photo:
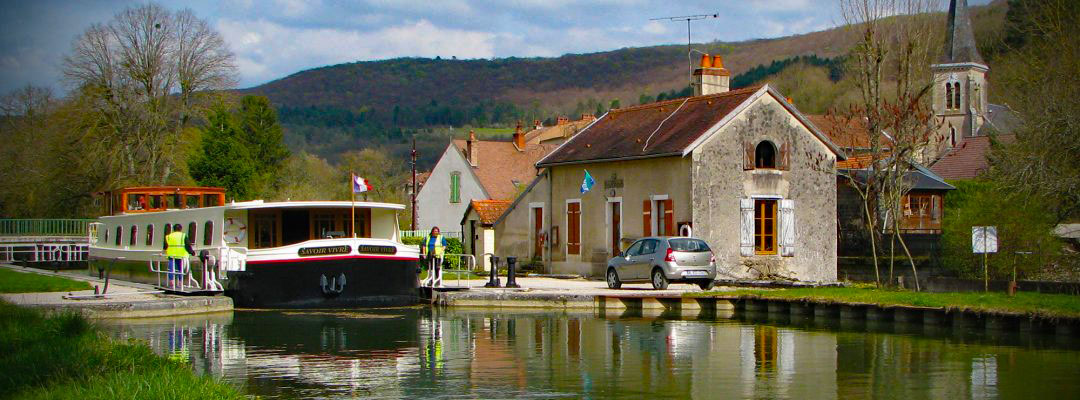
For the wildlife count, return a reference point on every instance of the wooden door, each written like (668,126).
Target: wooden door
(616,227)
(538,230)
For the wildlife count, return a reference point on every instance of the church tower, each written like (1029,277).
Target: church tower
(959,82)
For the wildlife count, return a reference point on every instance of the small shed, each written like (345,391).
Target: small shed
(477,229)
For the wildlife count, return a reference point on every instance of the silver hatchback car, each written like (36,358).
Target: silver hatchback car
(662,260)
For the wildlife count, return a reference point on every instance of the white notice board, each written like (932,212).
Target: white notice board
(984,239)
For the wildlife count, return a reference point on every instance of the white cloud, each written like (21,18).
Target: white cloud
(655,28)
(267,50)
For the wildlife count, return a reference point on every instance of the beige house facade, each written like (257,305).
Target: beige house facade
(743,170)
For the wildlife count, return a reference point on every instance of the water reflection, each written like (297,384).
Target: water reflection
(491,354)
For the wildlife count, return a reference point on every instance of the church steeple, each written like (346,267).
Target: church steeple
(959,39)
(959,83)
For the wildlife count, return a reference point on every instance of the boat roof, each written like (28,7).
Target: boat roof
(259,204)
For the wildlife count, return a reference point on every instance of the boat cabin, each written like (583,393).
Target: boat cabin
(160,198)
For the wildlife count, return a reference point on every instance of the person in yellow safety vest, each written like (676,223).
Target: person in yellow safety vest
(177,249)
(434,248)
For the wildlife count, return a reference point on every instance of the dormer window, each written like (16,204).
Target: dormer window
(765,155)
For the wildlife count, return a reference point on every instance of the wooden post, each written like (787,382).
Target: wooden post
(986,271)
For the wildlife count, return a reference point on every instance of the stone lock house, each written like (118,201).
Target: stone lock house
(743,170)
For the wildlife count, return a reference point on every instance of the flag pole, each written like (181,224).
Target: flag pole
(352,190)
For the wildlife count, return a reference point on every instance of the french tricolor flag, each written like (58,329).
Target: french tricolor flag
(360,185)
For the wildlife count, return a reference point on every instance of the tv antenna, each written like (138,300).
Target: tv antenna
(688,18)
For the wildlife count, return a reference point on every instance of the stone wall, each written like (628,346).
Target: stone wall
(514,232)
(719,182)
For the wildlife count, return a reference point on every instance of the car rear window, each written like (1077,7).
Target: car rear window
(690,245)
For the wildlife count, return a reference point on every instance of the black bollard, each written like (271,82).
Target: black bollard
(510,281)
(494,282)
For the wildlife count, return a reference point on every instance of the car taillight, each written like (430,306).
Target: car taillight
(670,257)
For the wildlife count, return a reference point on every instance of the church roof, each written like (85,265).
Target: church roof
(968,159)
(959,38)
(1000,120)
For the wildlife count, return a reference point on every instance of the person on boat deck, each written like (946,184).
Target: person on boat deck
(434,248)
(177,249)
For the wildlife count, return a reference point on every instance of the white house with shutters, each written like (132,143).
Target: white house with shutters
(742,169)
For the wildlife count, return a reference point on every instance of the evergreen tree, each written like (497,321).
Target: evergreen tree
(223,159)
(262,134)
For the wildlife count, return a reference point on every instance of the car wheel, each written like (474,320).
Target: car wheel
(707,284)
(659,281)
(613,279)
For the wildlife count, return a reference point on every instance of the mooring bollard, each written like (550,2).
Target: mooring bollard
(510,281)
(494,282)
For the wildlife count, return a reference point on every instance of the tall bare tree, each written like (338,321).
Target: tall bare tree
(894,44)
(139,79)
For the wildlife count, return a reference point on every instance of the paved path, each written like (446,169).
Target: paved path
(581,286)
(118,304)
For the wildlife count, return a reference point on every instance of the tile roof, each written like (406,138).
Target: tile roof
(564,131)
(501,167)
(846,132)
(968,159)
(488,210)
(649,130)
(1000,120)
(858,161)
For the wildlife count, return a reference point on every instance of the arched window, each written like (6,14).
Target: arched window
(119,234)
(952,136)
(765,155)
(134,235)
(191,232)
(167,229)
(208,233)
(956,95)
(948,96)
(149,234)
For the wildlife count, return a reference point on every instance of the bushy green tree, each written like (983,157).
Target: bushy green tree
(224,159)
(260,131)
(1023,227)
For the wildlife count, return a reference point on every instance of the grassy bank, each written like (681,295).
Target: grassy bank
(1047,305)
(64,357)
(12,281)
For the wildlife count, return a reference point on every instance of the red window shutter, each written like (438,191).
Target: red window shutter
(669,218)
(783,162)
(646,217)
(748,156)
(573,237)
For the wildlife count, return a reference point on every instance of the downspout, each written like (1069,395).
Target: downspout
(551,210)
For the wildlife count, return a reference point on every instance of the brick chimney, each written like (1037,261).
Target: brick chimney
(562,121)
(712,77)
(519,138)
(471,148)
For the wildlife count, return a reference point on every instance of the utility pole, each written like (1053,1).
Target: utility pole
(413,162)
(688,18)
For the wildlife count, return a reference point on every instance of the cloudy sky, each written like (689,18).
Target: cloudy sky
(275,38)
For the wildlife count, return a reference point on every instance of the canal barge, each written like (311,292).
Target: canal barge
(291,254)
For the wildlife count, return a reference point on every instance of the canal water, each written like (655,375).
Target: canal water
(463,353)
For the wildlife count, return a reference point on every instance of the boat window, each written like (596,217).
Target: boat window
(191,201)
(136,202)
(119,234)
(208,233)
(191,232)
(106,238)
(264,230)
(322,223)
(155,201)
(173,201)
(167,229)
(211,200)
(134,235)
(149,234)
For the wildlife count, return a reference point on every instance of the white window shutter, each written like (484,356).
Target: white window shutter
(787,228)
(746,247)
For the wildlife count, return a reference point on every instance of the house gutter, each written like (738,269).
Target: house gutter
(600,160)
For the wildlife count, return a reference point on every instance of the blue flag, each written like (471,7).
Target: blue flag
(588,183)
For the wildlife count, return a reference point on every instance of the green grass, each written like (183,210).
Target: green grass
(1045,305)
(63,356)
(12,281)
(452,276)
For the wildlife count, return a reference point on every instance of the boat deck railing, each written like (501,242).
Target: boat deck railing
(44,227)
